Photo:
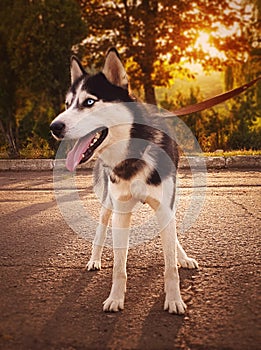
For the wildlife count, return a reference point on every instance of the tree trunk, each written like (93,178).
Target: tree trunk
(149,12)
(9,139)
(149,92)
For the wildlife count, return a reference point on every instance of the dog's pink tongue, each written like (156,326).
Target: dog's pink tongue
(75,155)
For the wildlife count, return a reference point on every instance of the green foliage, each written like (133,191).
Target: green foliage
(155,38)
(41,42)
(245,134)
(234,125)
(221,153)
(244,131)
(36,39)
(36,147)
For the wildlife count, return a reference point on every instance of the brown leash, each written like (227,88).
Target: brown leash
(212,101)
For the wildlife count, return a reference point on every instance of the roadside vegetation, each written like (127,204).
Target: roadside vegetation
(176,53)
(226,154)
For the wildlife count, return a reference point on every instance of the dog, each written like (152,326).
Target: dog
(137,162)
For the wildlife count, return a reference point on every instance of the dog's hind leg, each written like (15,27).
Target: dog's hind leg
(184,260)
(120,234)
(97,246)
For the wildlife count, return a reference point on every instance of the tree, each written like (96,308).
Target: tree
(7,100)
(156,35)
(244,112)
(36,39)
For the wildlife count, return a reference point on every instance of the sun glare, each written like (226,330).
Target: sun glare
(203,43)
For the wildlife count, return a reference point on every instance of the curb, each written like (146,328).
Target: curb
(233,162)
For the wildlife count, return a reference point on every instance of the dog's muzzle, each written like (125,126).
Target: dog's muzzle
(58,129)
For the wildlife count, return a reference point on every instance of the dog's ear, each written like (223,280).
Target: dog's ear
(77,69)
(113,69)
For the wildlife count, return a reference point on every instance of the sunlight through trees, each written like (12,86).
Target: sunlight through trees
(163,43)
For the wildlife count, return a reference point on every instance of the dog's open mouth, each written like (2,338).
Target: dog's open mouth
(85,147)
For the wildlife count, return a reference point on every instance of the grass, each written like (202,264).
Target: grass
(46,152)
(226,154)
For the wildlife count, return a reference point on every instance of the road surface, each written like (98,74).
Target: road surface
(48,301)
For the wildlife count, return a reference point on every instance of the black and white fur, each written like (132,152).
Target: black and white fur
(137,162)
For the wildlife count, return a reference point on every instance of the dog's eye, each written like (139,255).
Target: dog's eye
(67,104)
(89,102)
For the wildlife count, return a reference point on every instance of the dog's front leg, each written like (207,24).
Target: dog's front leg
(173,302)
(97,246)
(120,232)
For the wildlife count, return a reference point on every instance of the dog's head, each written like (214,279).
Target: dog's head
(94,109)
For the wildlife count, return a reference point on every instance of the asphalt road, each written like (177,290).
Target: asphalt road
(48,301)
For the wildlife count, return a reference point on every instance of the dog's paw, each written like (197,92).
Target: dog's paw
(93,265)
(113,305)
(188,263)
(175,306)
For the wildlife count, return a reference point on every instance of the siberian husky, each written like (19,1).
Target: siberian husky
(137,162)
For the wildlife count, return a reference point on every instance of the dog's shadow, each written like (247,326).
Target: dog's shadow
(75,317)
(160,328)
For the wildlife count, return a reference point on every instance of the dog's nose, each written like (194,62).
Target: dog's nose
(57,129)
